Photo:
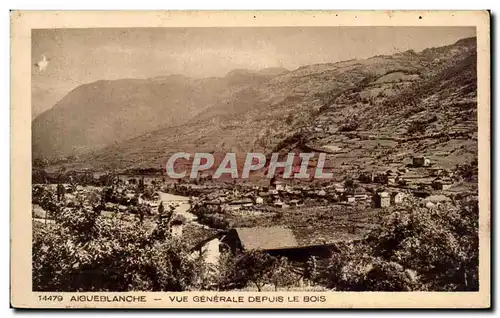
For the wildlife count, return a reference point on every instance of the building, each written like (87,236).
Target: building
(238,204)
(288,188)
(210,249)
(442,183)
(280,204)
(339,189)
(259,200)
(360,196)
(421,161)
(398,197)
(382,200)
(96,174)
(321,193)
(366,177)
(176,227)
(435,172)
(279,186)
(273,191)
(277,241)
(391,180)
(261,238)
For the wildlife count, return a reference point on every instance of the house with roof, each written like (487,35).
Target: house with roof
(176,227)
(442,183)
(238,204)
(262,238)
(391,180)
(279,186)
(259,200)
(280,204)
(275,240)
(382,200)
(421,161)
(398,197)
(435,172)
(321,193)
(360,196)
(339,189)
(350,199)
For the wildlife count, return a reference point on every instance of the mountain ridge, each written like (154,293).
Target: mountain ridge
(104,112)
(325,102)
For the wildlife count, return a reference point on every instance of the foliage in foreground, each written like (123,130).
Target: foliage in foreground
(416,248)
(85,251)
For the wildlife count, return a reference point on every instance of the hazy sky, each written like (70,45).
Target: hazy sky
(78,56)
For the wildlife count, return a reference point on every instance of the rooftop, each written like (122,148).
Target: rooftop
(266,238)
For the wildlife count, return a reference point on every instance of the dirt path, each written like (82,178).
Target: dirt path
(211,250)
(182,202)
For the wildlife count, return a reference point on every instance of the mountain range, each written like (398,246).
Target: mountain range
(363,113)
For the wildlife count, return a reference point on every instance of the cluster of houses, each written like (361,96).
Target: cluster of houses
(282,195)
(369,189)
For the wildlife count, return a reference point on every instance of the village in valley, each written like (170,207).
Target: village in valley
(298,219)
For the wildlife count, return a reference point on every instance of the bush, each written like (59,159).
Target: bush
(365,177)
(348,183)
(351,125)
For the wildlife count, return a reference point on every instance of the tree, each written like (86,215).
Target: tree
(351,125)
(143,210)
(349,183)
(311,268)
(281,274)
(47,201)
(86,251)
(255,267)
(141,185)
(415,248)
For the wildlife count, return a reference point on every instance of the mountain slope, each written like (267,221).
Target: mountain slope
(355,110)
(102,113)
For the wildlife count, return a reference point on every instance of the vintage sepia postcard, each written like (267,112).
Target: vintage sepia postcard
(250,159)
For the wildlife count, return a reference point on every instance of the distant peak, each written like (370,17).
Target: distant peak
(239,71)
(273,71)
(171,77)
(467,41)
(265,71)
